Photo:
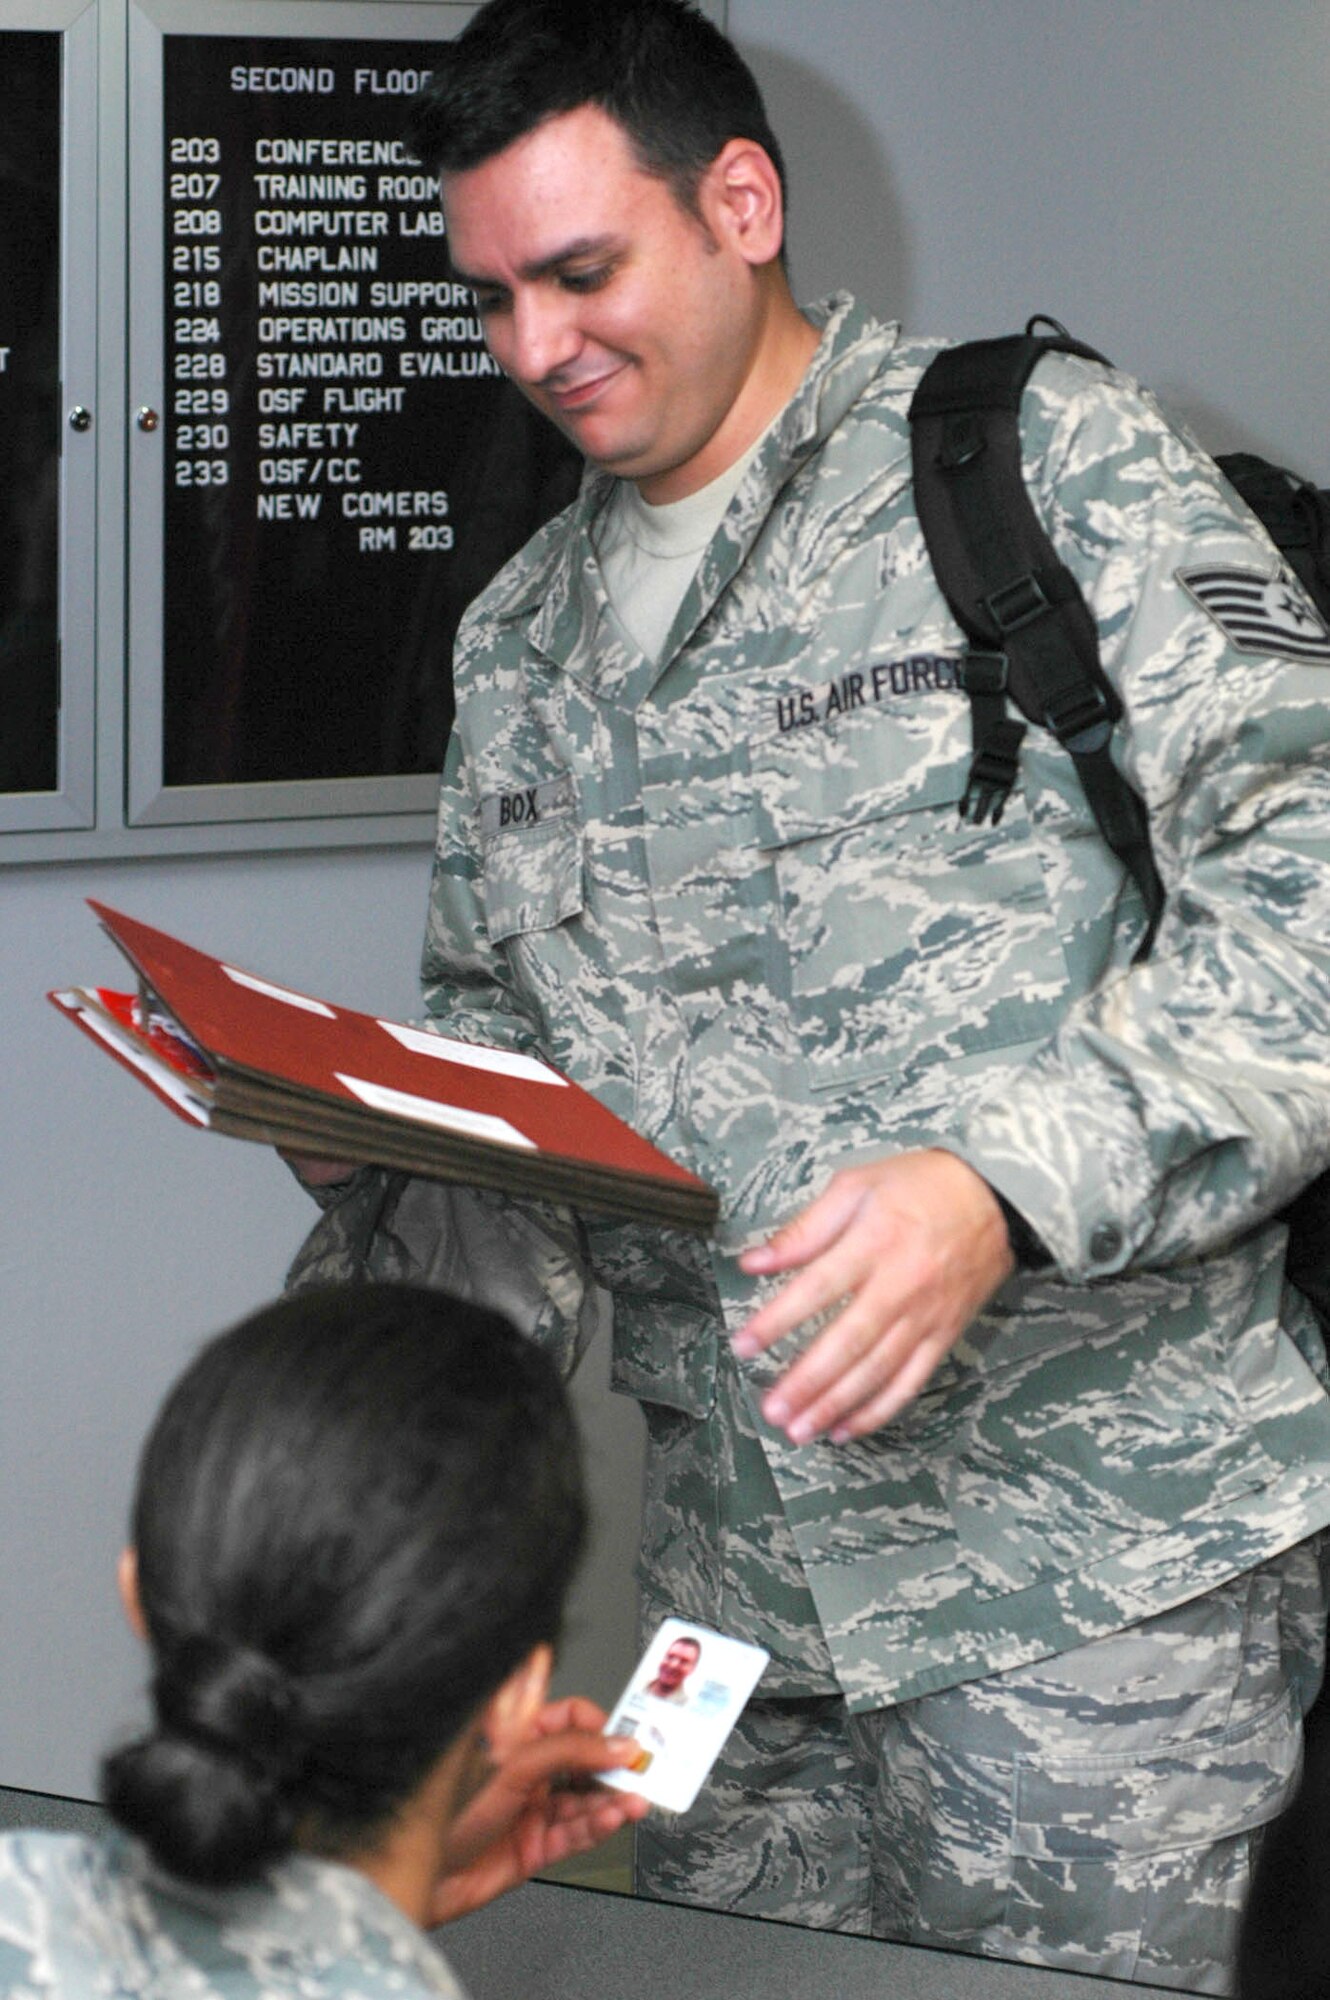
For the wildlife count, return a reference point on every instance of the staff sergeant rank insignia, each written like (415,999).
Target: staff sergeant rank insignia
(1261,614)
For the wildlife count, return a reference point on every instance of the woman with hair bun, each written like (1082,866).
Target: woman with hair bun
(356,1519)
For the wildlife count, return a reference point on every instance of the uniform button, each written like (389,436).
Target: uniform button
(1105,1242)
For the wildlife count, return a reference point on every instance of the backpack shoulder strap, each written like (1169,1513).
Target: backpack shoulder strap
(1031,635)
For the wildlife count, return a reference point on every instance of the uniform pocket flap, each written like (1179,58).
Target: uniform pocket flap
(812,781)
(533,878)
(665,1352)
(1097,1808)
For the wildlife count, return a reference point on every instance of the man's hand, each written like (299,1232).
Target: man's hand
(540,1806)
(911,1248)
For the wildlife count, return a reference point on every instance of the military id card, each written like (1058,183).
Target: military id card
(684,1698)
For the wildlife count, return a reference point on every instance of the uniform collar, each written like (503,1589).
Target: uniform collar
(561,592)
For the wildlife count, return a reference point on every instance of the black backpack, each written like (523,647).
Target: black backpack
(1032,638)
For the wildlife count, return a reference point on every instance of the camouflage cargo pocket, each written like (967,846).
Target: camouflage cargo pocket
(1069,1809)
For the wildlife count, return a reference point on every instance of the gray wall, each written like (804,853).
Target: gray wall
(1153,171)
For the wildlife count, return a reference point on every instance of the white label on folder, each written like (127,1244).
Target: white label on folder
(426,1111)
(283,993)
(688,1692)
(500,1062)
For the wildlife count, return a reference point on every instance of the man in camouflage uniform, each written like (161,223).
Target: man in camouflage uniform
(1027,1525)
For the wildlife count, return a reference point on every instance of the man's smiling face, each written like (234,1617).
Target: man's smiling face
(628,320)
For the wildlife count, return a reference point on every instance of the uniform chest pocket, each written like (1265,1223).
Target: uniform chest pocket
(532,862)
(912,937)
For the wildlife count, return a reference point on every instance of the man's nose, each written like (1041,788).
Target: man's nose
(545,337)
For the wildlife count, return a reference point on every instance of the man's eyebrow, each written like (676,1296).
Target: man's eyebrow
(541,267)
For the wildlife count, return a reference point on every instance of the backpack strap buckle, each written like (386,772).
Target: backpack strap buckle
(1017,603)
(984,673)
(993,771)
(1080,718)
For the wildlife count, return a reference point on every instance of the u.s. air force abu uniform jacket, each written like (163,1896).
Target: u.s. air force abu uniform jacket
(730,893)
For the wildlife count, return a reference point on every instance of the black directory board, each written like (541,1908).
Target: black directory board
(29,409)
(344,467)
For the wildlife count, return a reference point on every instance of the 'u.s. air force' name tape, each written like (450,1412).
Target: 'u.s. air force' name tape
(1261,614)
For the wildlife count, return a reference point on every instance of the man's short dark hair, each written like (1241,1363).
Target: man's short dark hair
(675,84)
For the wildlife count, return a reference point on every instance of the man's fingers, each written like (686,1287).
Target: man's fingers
(897,1257)
(810,1232)
(838,1274)
(812,1292)
(889,1402)
(828,1387)
(843,1343)
(857,1268)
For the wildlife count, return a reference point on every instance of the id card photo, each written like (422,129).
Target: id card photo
(684,1698)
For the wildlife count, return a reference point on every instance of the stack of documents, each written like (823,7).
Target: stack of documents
(236,1053)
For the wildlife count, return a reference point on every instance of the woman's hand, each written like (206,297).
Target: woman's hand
(541,1805)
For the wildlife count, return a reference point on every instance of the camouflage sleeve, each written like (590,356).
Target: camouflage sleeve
(1184,1099)
(526,1259)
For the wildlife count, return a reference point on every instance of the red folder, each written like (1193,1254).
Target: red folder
(236,1052)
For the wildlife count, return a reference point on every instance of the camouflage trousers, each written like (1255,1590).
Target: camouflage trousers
(1099,1811)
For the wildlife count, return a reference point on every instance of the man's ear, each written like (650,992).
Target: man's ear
(741,200)
(127,1581)
(505,1721)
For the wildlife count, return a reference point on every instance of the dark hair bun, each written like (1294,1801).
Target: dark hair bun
(356,1513)
(206,1790)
